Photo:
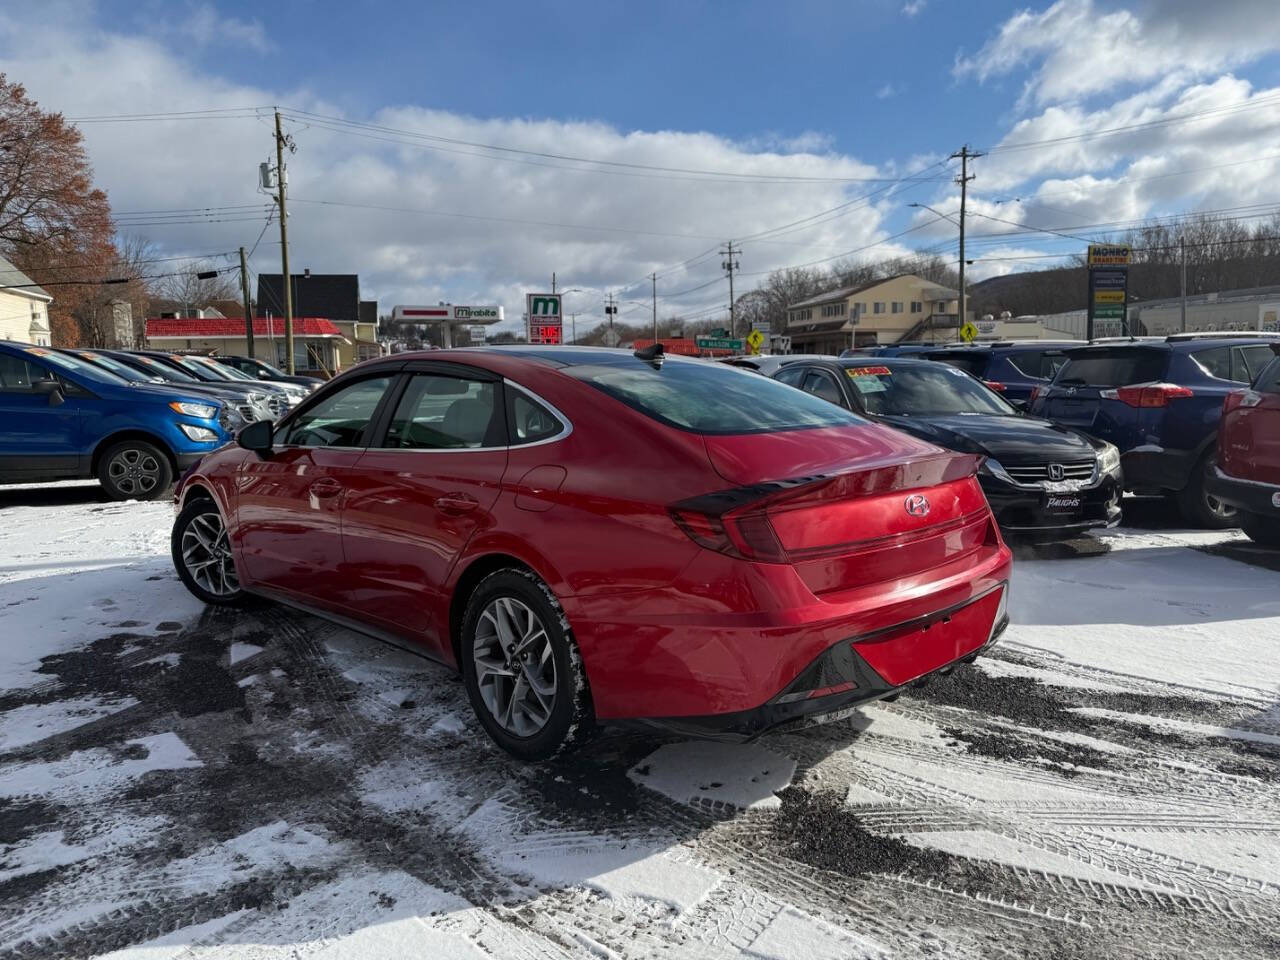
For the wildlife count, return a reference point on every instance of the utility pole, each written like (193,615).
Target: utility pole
(248,304)
(553,281)
(610,308)
(965,155)
(281,142)
(731,264)
(654,278)
(1182,255)
(573,319)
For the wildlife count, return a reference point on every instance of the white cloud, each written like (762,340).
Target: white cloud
(913,7)
(202,26)
(886,91)
(1076,49)
(518,221)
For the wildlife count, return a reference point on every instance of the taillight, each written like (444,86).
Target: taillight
(1240,398)
(1147,394)
(995,385)
(746,534)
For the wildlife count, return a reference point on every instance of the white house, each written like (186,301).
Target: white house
(24,307)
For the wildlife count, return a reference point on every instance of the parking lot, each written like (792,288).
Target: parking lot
(182,782)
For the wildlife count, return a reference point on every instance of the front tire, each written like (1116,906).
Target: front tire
(202,555)
(522,668)
(1264,531)
(135,470)
(1202,509)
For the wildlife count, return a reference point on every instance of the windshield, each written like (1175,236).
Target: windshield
(913,391)
(122,370)
(195,369)
(711,398)
(224,370)
(76,365)
(164,371)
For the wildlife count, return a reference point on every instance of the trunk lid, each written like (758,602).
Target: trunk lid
(848,506)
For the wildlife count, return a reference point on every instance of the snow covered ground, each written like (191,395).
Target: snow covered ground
(177,782)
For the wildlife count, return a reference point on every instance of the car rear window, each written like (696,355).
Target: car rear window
(1113,368)
(974,363)
(711,398)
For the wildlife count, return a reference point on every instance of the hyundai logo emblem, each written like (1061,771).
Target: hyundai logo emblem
(917,505)
(1056,472)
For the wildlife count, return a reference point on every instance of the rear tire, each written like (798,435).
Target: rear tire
(135,470)
(522,668)
(1201,509)
(1264,531)
(202,555)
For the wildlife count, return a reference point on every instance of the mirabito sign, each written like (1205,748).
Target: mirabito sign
(542,312)
(1108,286)
(448,313)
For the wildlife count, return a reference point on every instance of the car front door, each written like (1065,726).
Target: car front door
(289,507)
(39,436)
(424,487)
(821,383)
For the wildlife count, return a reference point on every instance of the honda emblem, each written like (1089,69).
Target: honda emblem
(917,505)
(1055,471)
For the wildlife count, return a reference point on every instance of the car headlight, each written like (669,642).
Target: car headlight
(1109,458)
(258,398)
(204,411)
(992,467)
(199,434)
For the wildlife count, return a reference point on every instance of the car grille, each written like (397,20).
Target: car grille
(278,405)
(1040,472)
(248,411)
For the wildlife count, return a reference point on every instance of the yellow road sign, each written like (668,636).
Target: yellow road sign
(968,332)
(754,339)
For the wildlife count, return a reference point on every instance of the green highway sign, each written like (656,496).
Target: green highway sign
(719,343)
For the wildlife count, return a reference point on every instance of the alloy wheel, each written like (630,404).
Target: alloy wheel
(134,471)
(515,666)
(206,553)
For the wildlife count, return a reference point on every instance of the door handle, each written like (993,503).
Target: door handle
(326,488)
(456,503)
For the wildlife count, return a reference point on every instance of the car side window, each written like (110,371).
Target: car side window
(791,376)
(1269,378)
(18,374)
(821,384)
(1250,360)
(530,420)
(438,412)
(339,420)
(1030,364)
(1216,362)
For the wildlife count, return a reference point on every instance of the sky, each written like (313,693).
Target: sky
(464,152)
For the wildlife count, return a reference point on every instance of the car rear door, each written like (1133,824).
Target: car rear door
(289,504)
(1083,394)
(428,481)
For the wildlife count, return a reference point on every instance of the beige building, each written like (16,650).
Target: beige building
(24,307)
(360,342)
(317,342)
(901,308)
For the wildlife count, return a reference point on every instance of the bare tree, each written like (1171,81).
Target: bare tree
(189,292)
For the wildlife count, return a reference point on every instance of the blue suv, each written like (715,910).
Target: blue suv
(1012,368)
(1159,400)
(62,418)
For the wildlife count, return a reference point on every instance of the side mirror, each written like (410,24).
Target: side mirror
(263,375)
(51,389)
(257,437)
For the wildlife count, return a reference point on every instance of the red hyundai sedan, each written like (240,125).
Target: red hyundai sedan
(596,536)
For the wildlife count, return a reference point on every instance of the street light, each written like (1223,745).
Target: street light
(573,317)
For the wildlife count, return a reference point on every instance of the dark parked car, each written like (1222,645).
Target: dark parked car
(595,536)
(63,418)
(1247,474)
(1012,368)
(260,370)
(1042,480)
(252,404)
(892,350)
(1160,401)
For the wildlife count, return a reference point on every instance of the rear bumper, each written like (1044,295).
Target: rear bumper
(685,655)
(1251,496)
(1154,469)
(842,678)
